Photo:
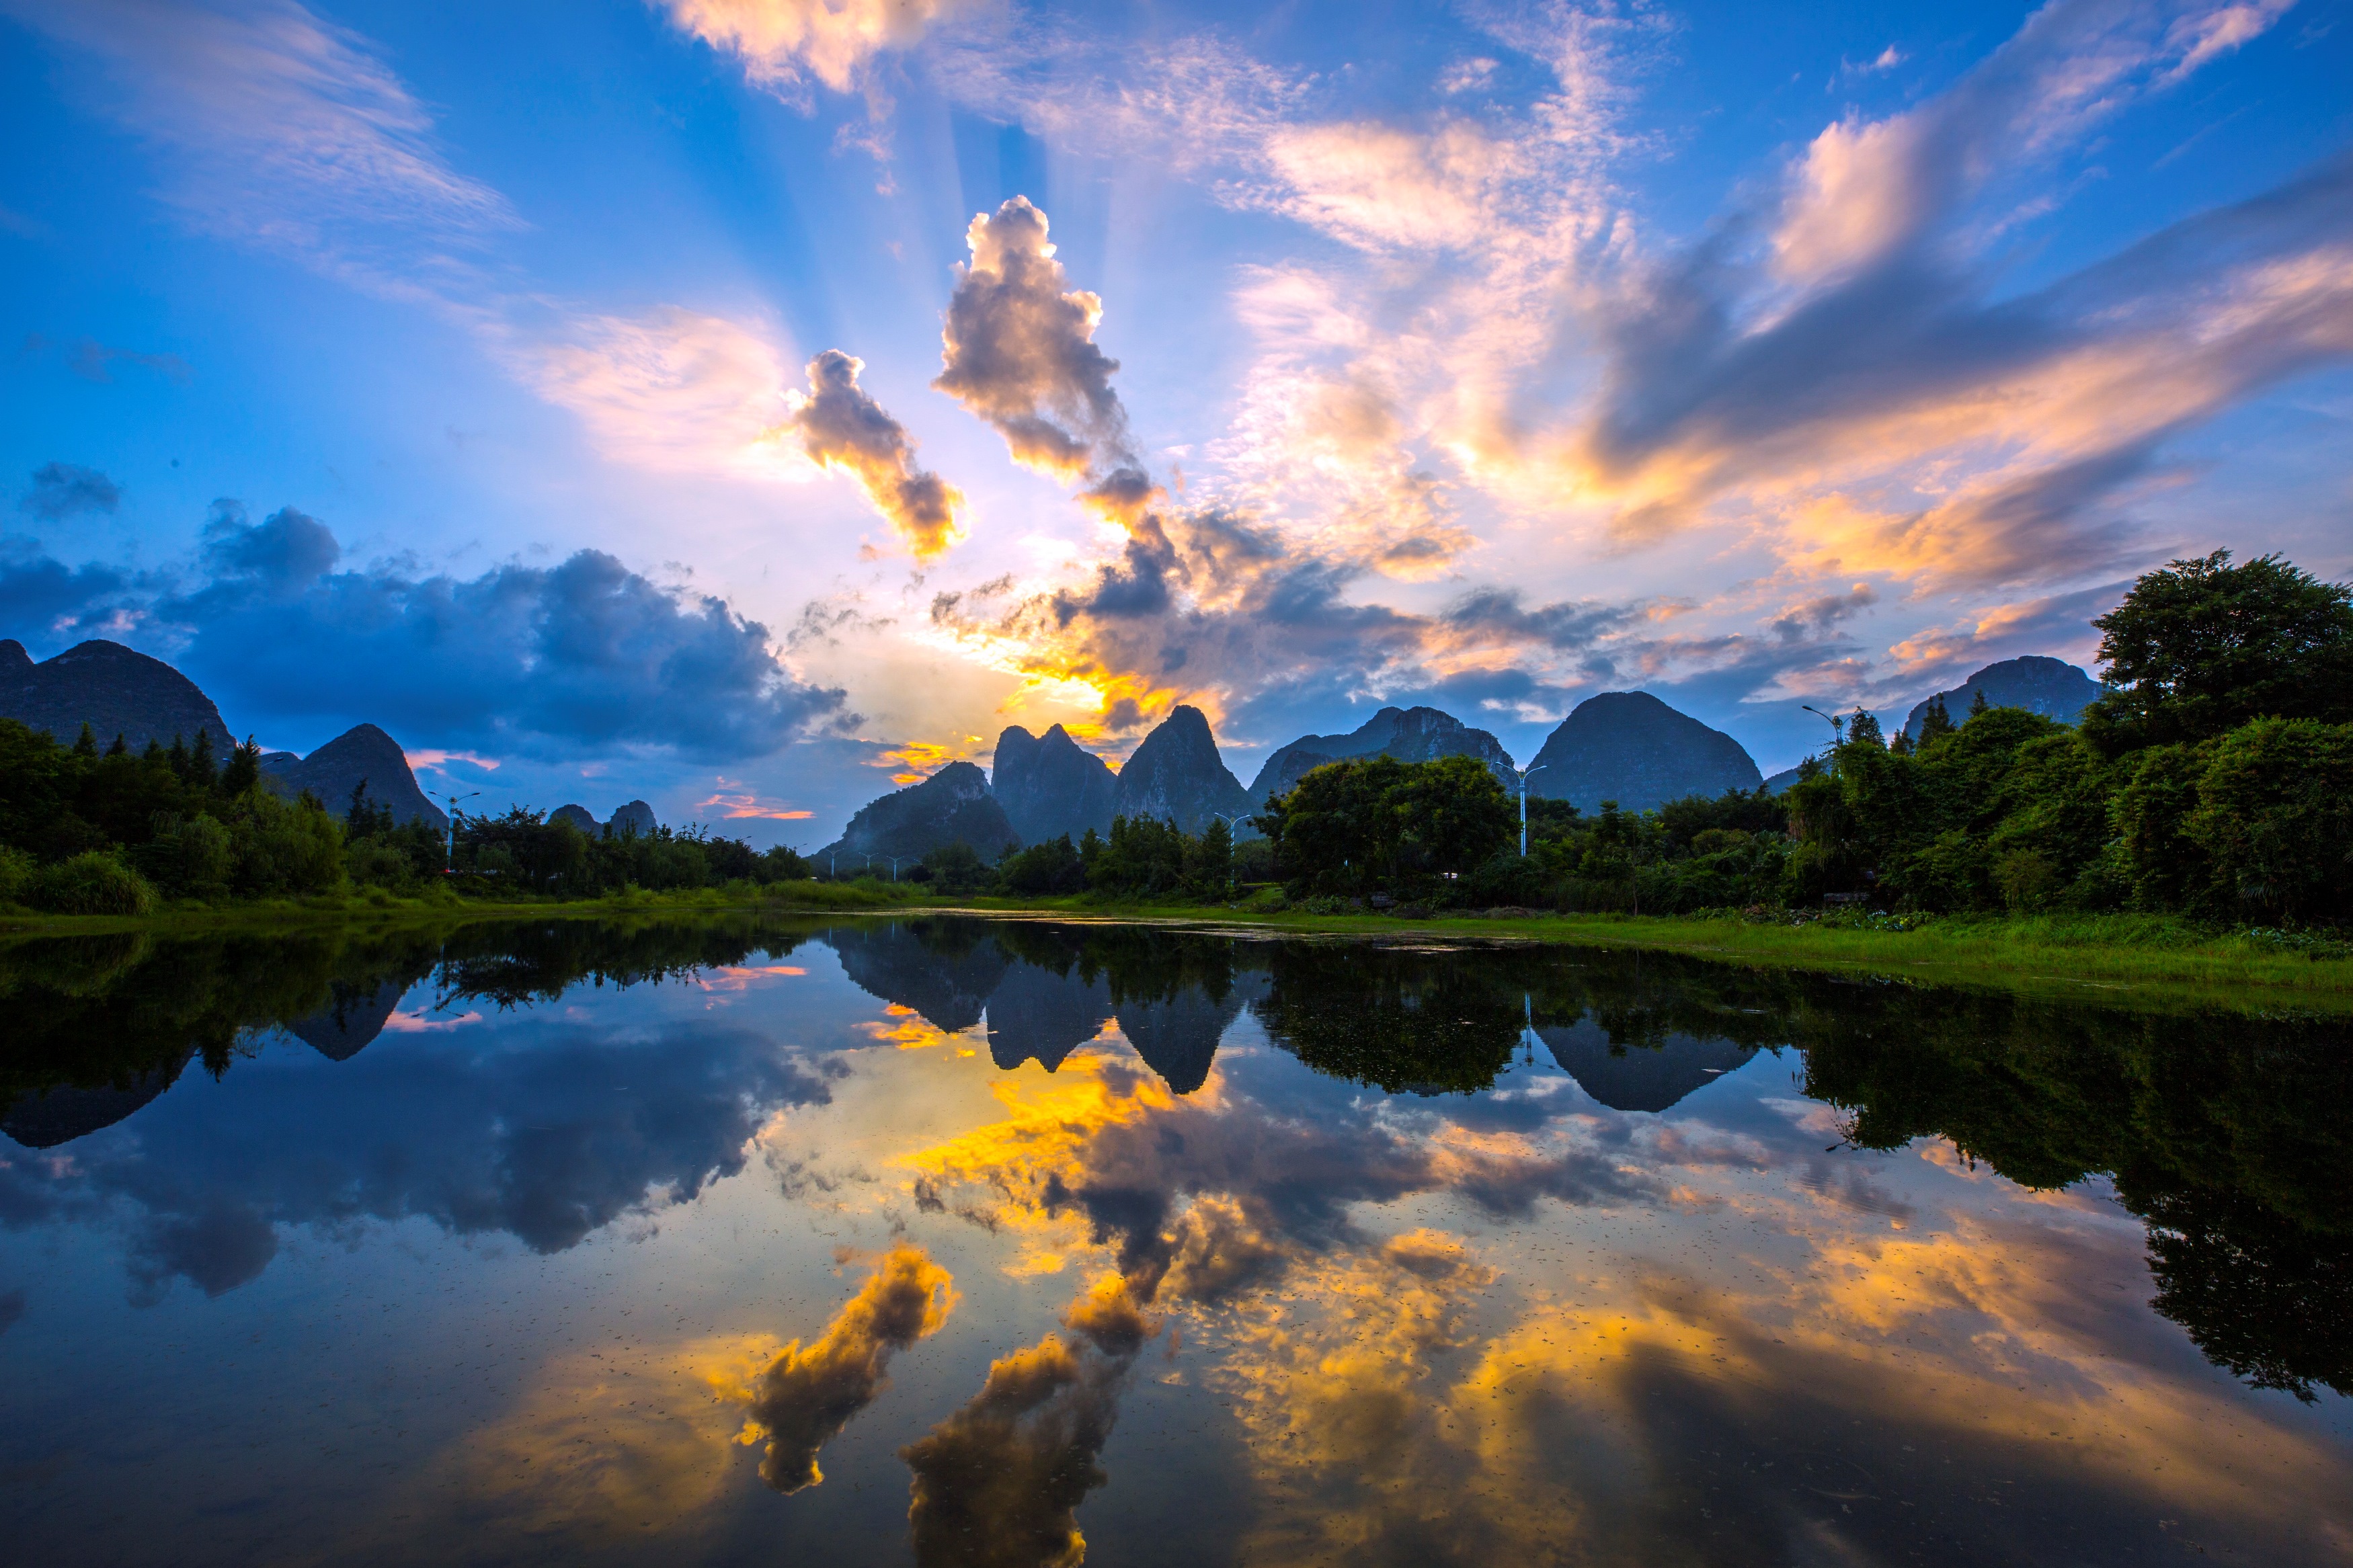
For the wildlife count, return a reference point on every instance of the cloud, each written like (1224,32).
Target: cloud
(89,360)
(284,132)
(808,1394)
(672,390)
(1006,1473)
(520,658)
(1019,349)
(286,552)
(781,42)
(843,427)
(61,490)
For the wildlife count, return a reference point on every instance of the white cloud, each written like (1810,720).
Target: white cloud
(782,42)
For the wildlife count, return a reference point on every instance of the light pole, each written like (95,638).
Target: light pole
(1838,725)
(1230,822)
(894,860)
(1523,806)
(453,800)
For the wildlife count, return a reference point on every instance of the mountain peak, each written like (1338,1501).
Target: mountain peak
(1050,785)
(1176,775)
(2036,682)
(954,804)
(1630,747)
(114,690)
(1409,734)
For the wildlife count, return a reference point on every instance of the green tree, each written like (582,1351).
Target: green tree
(2275,819)
(2202,646)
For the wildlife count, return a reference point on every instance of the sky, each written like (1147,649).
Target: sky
(747,404)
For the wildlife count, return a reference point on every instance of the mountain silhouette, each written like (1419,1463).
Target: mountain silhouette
(363,752)
(114,690)
(1177,775)
(953,805)
(2050,686)
(1049,787)
(1409,734)
(1630,747)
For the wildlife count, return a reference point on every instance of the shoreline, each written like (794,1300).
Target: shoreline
(2116,960)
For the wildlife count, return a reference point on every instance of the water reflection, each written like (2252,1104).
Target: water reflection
(1412,1253)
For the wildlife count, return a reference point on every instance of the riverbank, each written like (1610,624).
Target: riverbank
(2120,958)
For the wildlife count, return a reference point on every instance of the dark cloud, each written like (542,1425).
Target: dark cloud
(586,652)
(1000,1480)
(808,1394)
(61,490)
(40,591)
(842,427)
(285,554)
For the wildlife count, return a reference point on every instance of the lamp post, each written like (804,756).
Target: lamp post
(894,860)
(1523,806)
(1230,822)
(453,800)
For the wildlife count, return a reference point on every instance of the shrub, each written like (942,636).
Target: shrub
(93,883)
(17,870)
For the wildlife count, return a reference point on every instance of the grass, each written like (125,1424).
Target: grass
(375,907)
(2126,960)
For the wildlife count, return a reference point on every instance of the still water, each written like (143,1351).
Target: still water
(1005,1242)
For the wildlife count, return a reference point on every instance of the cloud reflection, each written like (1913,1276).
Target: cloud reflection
(1000,1480)
(810,1392)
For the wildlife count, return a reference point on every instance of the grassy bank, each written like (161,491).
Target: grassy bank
(376,908)
(2124,960)
(2121,959)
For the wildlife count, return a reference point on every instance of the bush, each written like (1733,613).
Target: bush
(17,870)
(94,882)
(192,859)
(373,863)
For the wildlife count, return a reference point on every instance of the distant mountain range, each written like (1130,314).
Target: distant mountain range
(636,817)
(120,691)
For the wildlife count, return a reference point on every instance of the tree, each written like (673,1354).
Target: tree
(1937,721)
(85,744)
(1864,726)
(244,770)
(2202,646)
(1374,823)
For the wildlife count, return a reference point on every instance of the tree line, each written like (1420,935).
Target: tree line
(86,831)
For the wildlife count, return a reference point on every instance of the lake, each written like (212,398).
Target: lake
(959,1240)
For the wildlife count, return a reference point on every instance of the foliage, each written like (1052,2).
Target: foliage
(1043,870)
(94,882)
(1377,825)
(2202,646)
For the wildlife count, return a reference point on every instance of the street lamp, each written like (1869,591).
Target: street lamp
(1230,822)
(1523,806)
(453,800)
(1838,725)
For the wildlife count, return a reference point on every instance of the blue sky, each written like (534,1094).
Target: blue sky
(1488,356)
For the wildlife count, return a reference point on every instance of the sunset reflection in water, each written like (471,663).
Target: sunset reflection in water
(997,1242)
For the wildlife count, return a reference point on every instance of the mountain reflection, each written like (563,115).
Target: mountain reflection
(547,1144)
(2221,1132)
